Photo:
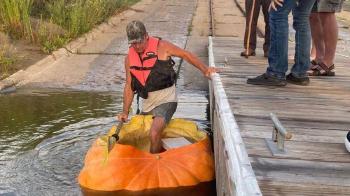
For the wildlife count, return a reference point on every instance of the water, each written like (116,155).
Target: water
(203,189)
(44,136)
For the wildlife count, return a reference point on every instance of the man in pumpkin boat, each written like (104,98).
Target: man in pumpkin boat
(150,75)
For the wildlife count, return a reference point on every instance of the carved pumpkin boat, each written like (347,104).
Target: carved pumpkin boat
(129,166)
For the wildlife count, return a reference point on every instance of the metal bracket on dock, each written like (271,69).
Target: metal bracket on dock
(279,135)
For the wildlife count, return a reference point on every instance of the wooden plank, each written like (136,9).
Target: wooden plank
(316,151)
(316,172)
(316,162)
(301,134)
(321,85)
(258,112)
(294,105)
(306,124)
(272,188)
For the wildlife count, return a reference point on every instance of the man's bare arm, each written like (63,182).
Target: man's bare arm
(128,94)
(173,50)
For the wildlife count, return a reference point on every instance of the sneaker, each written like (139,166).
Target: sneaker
(267,80)
(304,81)
(347,141)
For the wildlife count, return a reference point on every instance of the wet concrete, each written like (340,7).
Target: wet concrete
(197,43)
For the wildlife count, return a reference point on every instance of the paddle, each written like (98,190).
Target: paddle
(111,140)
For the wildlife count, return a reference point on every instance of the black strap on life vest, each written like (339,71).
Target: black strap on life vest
(138,96)
(138,104)
(140,68)
(149,56)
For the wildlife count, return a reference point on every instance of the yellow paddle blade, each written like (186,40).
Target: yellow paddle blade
(108,141)
(112,130)
(103,140)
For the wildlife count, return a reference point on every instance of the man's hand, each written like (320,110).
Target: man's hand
(209,71)
(122,117)
(275,3)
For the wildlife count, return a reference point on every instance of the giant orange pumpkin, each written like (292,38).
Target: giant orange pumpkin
(129,165)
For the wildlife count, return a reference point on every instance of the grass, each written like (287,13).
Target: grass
(74,17)
(15,18)
(7,58)
(50,23)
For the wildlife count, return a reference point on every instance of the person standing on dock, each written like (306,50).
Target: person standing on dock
(275,74)
(324,31)
(252,8)
(150,75)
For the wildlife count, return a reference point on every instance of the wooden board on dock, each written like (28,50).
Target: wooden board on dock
(318,116)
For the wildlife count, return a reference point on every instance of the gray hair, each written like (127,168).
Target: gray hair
(136,31)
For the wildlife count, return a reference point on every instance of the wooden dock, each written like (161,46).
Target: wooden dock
(316,161)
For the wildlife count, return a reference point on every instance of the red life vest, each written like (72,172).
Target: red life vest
(142,68)
(147,72)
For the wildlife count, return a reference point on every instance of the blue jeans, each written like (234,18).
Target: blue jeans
(278,56)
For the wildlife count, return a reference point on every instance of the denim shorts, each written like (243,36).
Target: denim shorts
(165,110)
(328,6)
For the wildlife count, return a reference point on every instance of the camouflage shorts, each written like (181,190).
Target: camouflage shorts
(328,6)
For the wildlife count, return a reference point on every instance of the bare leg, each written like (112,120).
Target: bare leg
(157,127)
(329,22)
(313,51)
(317,37)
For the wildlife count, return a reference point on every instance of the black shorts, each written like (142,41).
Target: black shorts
(165,110)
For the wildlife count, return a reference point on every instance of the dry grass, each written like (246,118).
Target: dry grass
(7,59)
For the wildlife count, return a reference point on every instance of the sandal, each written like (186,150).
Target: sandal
(313,64)
(322,70)
(313,67)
